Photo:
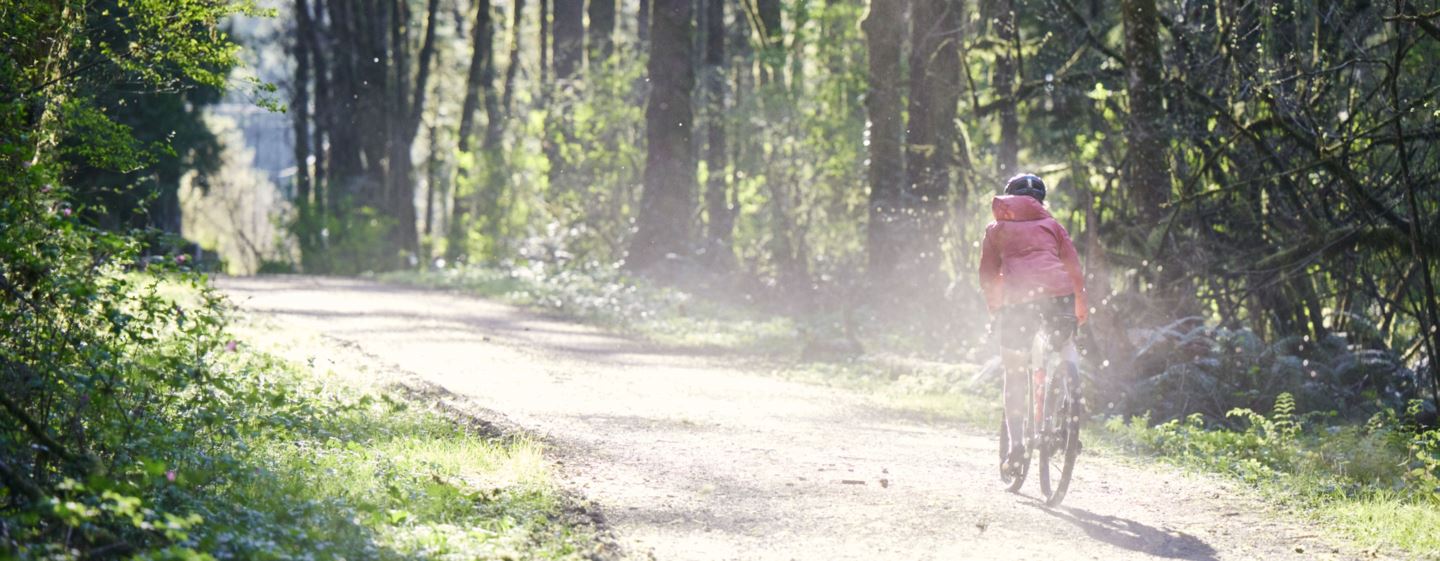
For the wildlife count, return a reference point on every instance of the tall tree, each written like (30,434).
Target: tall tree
(663,224)
(602,30)
(300,119)
(512,69)
(642,22)
(569,41)
(409,114)
(884,28)
(772,40)
(322,201)
(1147,170)
(481,49)
(721,216)
(1007,65)
(544,54)
(935,33)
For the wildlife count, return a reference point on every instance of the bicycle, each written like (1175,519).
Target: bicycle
(1055,407)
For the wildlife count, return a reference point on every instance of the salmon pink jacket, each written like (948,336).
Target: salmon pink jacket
(1027,255)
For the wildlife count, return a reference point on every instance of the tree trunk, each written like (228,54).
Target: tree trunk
(721,223)
(884,29)
(300,119)
(1147,170)
(569,41)
(432,182)
(494,120)
(345,169)
(322,203)
(772,41)
(642,22)
(934,95)
(1006,75)
(602,30)
(544,82)
(663,226)
(480,49)
(569,52)
(474,78)
(512,69)
(410,108)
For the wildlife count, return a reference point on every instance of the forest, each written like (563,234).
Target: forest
(1257,172)
(1253,187)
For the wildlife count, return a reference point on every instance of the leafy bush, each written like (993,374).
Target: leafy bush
(1390,453)
(1187,366)
(134,426)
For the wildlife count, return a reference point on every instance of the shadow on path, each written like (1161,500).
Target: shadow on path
(1134,536)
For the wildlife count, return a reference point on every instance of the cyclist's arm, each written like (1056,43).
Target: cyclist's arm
(990,271)
(1071,260)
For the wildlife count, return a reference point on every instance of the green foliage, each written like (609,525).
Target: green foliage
(565,185)
(1379,482)
(132,425)
(352,241)
(1390,454)
(799,173)
(99,370)
(263,461)
(113,89)
(1188,366)
(104,376)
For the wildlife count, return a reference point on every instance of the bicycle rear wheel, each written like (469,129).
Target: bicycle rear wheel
(1059,440)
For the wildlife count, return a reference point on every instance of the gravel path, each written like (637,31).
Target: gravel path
(694,457)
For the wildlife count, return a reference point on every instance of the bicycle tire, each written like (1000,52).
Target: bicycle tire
(1060,434)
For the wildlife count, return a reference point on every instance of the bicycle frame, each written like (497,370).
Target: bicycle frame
(1051,371)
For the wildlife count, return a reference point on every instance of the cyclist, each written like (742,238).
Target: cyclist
(1031,278)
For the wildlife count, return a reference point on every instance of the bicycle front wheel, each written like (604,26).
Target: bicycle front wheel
(1059,438)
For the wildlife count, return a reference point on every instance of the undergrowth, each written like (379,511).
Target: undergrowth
(1378,481)
(604,295)
(219,452)
(327,471)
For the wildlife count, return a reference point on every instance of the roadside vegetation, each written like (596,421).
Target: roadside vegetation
(1364,463)
(133,424)
(179,442)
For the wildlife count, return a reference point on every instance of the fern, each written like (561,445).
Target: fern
(1284,424)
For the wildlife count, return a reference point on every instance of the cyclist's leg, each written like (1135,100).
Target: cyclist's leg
(1015,393)
(1060,326)
(1017,327)
(1070,356)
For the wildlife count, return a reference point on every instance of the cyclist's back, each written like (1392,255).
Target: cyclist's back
(1032,280)
(1027,255)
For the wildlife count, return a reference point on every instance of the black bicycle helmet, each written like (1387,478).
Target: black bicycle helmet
(1026,184)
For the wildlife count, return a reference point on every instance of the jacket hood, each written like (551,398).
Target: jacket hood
(1018,208)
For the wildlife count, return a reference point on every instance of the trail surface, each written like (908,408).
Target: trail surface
(692,457)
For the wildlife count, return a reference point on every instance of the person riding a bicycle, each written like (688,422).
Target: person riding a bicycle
(1032,280)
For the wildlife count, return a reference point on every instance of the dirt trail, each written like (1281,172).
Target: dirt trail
(692,457)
